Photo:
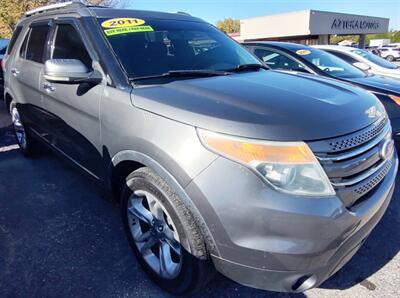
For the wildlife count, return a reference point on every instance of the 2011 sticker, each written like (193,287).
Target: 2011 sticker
(303,52)
(122,22)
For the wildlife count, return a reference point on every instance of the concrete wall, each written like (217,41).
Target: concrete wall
(310,22)
(288,24)
(322,22)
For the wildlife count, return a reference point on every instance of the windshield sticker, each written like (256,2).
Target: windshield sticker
(303,52)
(122,22)
(131,29)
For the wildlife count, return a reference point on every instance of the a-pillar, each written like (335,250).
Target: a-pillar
(361,43)
(323,39)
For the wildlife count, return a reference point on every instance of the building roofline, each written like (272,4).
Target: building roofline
(309,11)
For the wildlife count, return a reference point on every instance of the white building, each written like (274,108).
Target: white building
(310,27)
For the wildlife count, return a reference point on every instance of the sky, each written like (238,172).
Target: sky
(214,10)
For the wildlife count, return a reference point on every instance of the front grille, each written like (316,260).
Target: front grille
(354,163)
(357,139)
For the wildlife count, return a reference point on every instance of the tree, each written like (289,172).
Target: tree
(12,10)
(229,25)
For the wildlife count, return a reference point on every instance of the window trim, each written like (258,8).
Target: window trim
(22,55)
(75,24)
(14,39)
(287,55)
(47,22)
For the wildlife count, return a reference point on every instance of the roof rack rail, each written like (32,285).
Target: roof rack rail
(51,7)
(184,13)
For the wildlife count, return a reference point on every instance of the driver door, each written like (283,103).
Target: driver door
(73,109)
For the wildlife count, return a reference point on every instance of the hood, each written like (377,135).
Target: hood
(379,84)
(266,105)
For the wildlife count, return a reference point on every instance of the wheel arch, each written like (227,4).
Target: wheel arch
(7,100)
(127,161)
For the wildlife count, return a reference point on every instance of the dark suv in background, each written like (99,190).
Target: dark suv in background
(3,49)
(303,59)
(272,179)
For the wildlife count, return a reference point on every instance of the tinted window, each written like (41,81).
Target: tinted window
(277,60)
(68,45)
(3,51)
(37,43)
(331,64)
(375,59)
(22,50)
(14,38)
(343,56)
(160,46)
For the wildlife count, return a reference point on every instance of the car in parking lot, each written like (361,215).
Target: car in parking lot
(364,60)
(390,53)
(3,49)
(305,59)
(273,179)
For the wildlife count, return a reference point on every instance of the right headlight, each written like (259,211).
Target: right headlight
(290,167)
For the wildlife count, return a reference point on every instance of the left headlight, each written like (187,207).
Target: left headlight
(290,167)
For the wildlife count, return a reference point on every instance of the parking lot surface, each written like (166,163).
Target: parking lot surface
(60,236)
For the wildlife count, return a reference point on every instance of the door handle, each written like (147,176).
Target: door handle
(15,72)
(49,87)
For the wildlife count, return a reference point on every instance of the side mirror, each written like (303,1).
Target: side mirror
(362,66)
(70,71)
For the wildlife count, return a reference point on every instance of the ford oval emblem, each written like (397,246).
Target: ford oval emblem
(373,112)
(387,149)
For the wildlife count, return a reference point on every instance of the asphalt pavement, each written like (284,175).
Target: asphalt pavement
(60,236)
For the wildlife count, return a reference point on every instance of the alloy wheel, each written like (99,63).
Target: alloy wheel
(154,234)
(18,128)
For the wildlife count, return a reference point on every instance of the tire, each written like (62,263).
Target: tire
(390,58)
(27,144)
(190,268)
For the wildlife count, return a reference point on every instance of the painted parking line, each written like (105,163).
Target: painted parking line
(8,148)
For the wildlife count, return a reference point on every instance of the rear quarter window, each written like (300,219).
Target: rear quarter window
(14,39)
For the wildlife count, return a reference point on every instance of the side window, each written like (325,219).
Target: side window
(344,57)
(37,43)
(22,50)
(14,38)
(69,45)
(276,60)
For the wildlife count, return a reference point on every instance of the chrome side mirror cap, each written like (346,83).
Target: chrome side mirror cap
(69,71)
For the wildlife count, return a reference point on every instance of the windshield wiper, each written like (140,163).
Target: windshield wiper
(182,73)
(243,67)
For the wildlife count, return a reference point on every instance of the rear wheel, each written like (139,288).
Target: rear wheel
(163,235)
(26,143)
(390,58)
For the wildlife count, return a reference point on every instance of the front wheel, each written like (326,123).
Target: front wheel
(390,58)
(163,235)
(25,141)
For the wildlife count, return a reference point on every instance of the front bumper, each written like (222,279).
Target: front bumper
(273,241)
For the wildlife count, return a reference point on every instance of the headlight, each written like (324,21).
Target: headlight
(395,98)
(289,167)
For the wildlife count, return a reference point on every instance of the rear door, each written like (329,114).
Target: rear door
(73,109)
(25,71)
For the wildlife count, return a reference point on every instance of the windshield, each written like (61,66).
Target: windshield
(155,47)
(375,59)
(330,63)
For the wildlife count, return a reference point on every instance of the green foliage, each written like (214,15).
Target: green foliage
(393,36)
(12,10)
(229,25)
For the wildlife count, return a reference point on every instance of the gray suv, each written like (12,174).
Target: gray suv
(219,164)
